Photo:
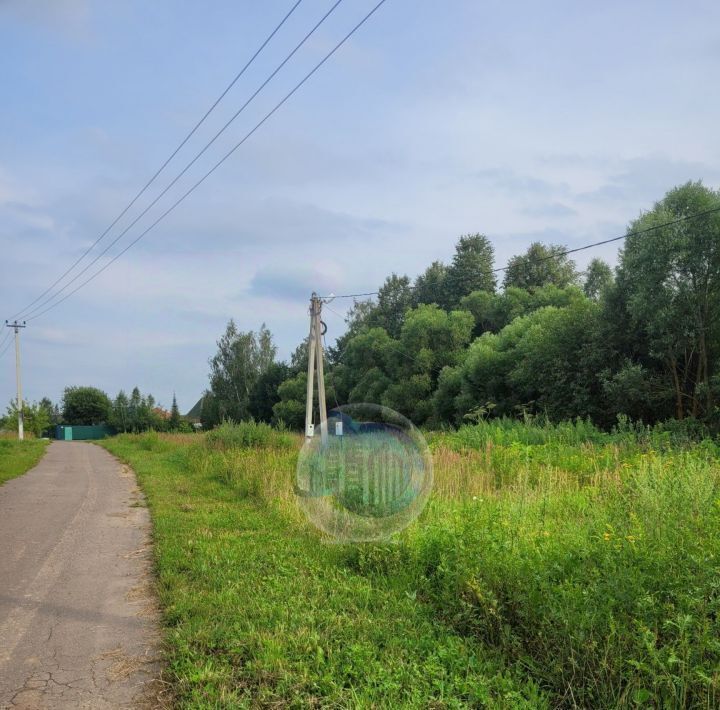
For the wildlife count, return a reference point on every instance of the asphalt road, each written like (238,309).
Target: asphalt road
(78,622)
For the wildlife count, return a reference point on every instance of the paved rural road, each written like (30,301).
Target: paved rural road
(78,626)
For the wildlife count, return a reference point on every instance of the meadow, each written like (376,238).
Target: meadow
(17,457)
(554,566)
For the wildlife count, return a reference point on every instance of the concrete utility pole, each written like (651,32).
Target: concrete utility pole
(315,353)
(16,327)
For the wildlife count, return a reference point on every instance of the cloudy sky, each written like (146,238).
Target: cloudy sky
(557,121)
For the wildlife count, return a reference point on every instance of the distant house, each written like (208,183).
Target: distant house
(193,416)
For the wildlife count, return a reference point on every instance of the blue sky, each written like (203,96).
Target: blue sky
(557,121)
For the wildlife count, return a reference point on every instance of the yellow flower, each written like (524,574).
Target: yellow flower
(607,536)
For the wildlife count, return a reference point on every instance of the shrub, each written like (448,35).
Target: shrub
(249,434)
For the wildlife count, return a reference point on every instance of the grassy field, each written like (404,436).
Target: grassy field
(554,567)
(16,457)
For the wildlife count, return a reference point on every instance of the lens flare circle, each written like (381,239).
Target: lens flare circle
(367,478)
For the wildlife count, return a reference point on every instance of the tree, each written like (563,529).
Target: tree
(598,277)
(290,409)
(240,360)
(119,415)
(470,270)
(135,410)
(431,339)
(209,411)
(299,358)
(36,417)
(357,319)
(668,281)
(493,311)
(52,411)
(431,286)
(394,299)
(541,265)
(264,394)
(174,421)
(85,405)
(544,362)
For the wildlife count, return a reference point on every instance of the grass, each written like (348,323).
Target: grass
(259,611)
(553,567)
(17,457)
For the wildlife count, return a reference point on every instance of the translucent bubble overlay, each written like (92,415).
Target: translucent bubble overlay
(367,477)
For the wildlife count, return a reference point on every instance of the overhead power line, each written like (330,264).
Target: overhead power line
(5,349)
(223,159)
(165,164)
(564,252)
(189,165)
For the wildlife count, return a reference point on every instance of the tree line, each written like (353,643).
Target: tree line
(641,340)
(91,406)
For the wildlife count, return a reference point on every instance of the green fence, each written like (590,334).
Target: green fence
(82,433)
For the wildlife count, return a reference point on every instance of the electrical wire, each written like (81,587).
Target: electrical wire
(565,252)
(223,159)
(7,347)
(188,166)
(330,372)
(5,337)
(165,164)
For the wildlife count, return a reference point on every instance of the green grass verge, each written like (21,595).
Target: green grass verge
(17,457)
(554,566)
(259,611)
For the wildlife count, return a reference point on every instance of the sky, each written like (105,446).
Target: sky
(525,121)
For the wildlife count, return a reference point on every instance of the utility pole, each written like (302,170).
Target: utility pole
(16,327)
(315,353)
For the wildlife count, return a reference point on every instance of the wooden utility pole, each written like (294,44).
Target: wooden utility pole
(315,364)
(16,327)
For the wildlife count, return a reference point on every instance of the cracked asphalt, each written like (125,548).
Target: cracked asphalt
(78,620)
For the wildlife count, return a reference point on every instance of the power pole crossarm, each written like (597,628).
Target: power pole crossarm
(16,327)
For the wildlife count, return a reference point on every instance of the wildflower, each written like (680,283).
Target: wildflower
(630,538)
(607,536)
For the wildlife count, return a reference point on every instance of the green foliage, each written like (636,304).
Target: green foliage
(258,612)
(492,312)
(139,413)
(289,410)
(431,286)
(540,266)
(241,359)
(669,286)
(470,270)
(598,278)
(394,298)
(85,406)
(246,434)
(264,394)
(556,565)
(37,417)
(17,457)
(174,421)
(543,362)
(645,344)
(609,594)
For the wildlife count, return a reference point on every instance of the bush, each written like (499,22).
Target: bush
(606,595)
(250,434)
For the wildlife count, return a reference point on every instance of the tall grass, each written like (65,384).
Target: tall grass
(588,561)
